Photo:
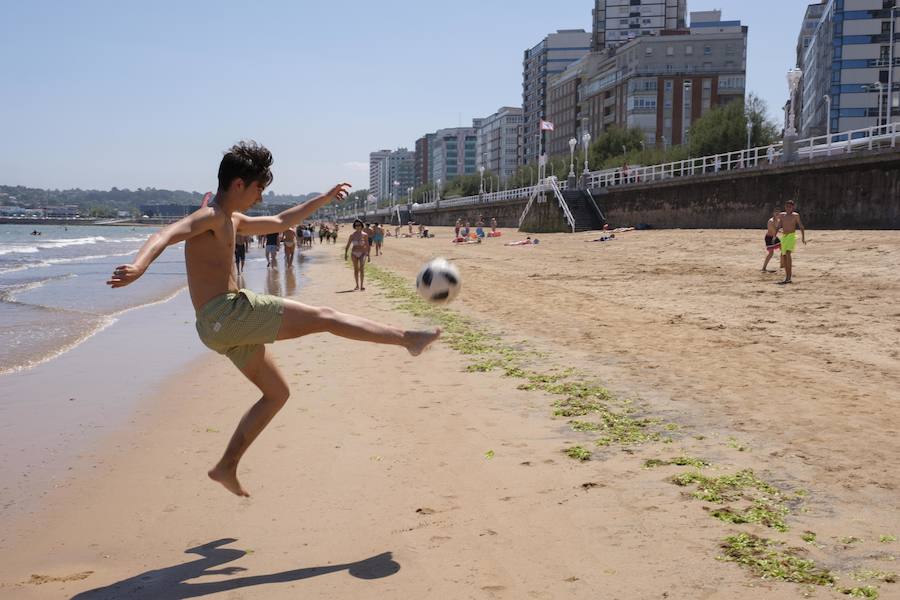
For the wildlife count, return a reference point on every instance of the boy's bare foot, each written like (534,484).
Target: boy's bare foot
(228,478)
(417,341)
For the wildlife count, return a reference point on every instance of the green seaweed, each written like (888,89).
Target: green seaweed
(578,453)
(764,558)
(681,461)
(761,512)
(867,591)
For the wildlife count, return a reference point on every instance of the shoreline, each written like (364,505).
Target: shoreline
(440,466)
(55,409)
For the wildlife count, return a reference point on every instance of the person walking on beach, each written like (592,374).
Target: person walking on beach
(240,252)
(772,241)
(370,236)
(360,253)
(237,322)
(272,240)
(789,221)
(379,239)
(289,237)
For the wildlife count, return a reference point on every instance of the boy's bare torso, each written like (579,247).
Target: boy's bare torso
(789,221)
(772,227)
(208,258)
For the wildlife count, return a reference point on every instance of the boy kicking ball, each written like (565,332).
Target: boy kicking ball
(237,322)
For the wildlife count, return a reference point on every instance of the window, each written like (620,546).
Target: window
(707,50)
(670,51)
(688,50)
(649,50)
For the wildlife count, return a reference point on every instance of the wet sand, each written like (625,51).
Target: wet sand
(460,476)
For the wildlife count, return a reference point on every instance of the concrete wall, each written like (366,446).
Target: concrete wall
(506,213)
(857,192)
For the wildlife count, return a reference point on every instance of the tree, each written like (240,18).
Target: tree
(615,142)
(724,128)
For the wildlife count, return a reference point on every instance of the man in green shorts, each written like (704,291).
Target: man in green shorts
(236,322)
(789,221)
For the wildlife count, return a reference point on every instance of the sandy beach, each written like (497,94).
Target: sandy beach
(398,477)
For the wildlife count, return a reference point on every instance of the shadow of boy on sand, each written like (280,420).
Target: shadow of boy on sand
(170,583)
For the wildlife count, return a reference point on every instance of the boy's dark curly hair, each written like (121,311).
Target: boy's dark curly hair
(246,160)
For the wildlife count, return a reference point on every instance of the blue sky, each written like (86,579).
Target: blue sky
(148,94)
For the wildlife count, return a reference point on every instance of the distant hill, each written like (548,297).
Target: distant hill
(118,199)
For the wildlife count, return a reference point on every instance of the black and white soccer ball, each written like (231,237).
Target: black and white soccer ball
(438,281)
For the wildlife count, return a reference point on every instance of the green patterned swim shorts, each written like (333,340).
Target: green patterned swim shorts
(236,324)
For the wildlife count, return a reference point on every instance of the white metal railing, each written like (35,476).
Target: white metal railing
(847,142)
(594,204)
(535,191)
(823,146)
(562,202)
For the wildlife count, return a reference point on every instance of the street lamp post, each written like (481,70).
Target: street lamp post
(828,122)
(749,134)
(573,143)
(586,142)
(481,185)
(438,195)
(879,87)
(890,81)
(794,76)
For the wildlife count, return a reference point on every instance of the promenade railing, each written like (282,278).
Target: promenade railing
(834,145)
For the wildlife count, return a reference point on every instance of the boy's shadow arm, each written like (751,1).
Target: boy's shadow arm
(171,583)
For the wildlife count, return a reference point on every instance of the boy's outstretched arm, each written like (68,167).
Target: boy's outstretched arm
(192,225)
(290,217)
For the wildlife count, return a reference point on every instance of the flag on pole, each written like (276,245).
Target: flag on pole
(546,125)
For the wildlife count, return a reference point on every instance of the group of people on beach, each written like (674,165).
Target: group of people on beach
(787,222)
(463,232)
(289,240)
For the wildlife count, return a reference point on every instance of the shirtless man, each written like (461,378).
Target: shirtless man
(237,323)
(789,221)
(378,240)
(272,241)
(772,241)
(370,236)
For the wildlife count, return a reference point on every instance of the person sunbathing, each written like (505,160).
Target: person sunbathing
(526,242)
(603,238)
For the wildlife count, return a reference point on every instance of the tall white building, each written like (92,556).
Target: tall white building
(391,173)
(498,146)
(618,21)
(852,58)
(377,164)
(550,57)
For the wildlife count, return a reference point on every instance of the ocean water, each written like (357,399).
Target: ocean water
(53,292)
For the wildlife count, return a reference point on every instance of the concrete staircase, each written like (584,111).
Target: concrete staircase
(582,208)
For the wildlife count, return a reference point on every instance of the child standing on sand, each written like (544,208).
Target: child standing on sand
(237,322)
